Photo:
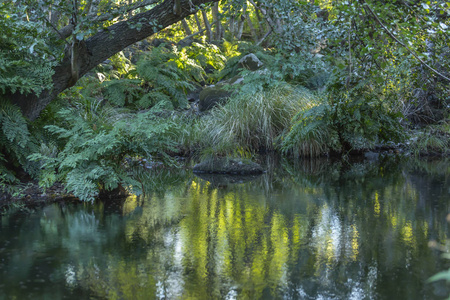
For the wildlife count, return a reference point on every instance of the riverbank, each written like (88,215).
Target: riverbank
(32,194)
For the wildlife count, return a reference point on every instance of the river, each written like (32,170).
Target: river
(304,230)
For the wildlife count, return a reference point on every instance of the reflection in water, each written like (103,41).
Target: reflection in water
(316,230)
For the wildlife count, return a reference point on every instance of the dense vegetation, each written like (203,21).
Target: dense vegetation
(336,77)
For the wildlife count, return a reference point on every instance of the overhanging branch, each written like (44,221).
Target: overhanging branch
(391,35)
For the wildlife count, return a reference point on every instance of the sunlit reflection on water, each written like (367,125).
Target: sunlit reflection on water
(298,232)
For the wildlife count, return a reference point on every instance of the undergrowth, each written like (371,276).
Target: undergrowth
(343,121)
(433,139)
(247,123)
(96,141)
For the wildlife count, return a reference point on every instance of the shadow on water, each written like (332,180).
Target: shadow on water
(311,229)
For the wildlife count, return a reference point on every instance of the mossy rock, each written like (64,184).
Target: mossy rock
(228,166)
(211,96)
(250,62)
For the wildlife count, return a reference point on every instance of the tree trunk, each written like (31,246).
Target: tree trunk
(100,47)
(186,27)
(260,22)
(199,25)
(252,28)
(240,25)
(207,25)
(231,26)
(216,19)
(240,28)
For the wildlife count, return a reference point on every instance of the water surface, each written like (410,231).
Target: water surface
(304,230)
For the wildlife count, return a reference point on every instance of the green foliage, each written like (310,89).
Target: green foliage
(169,74)
(123,92)
(359,44)
(430,140)
(97,139)
(248,122)
(15,144)
(24,65)
(122,65)
(206,55)
(162,77)
(297,68)
(343,121)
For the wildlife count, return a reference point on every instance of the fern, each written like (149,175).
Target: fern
(123,91)
(344,121)
(169,73)
(16,144)
(92,159)
(206,55)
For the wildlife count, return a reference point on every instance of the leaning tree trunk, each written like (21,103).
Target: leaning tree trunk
(207,25)
(103,45)
(186,27)
(199,25)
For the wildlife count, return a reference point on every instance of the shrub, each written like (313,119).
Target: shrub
(343,121)
(432,139)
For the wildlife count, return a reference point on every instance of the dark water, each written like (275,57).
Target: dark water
(310,230)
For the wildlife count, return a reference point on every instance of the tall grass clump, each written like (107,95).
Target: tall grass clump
(253,122)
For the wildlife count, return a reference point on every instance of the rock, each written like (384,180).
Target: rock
(215,94)
(250,62)
(235,80)
(228,166)
(194,95)
(158,42)
(211,96)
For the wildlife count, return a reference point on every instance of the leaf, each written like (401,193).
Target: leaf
(444,275)
(32,48)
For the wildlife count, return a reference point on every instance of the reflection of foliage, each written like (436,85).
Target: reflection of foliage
(335,229)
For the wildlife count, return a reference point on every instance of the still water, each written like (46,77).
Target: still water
(303,230)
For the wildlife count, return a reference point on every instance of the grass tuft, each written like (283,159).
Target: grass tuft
(248,123)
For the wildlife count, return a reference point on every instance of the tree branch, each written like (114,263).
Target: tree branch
(191,35)
(100,47)
(264,37)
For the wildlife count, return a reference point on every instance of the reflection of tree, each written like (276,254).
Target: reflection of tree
(330,230)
